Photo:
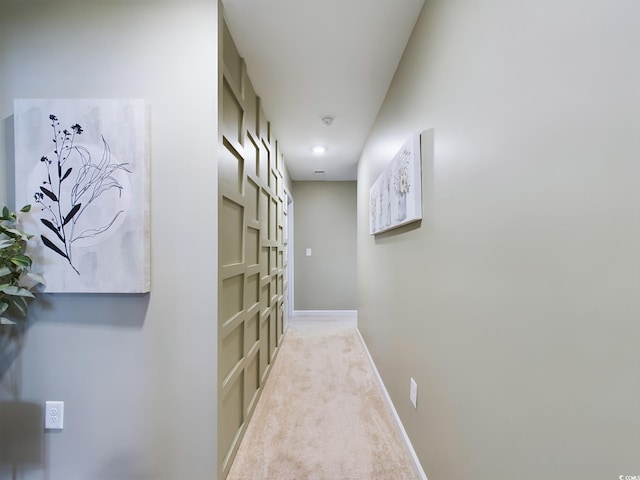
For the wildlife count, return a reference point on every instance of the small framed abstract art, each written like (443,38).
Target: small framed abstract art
(83,165)
(395,198)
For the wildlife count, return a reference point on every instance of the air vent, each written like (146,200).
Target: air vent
(319,171)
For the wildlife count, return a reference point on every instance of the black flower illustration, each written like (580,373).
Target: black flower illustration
(73,185)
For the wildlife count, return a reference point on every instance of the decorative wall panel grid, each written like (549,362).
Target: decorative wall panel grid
(251,272)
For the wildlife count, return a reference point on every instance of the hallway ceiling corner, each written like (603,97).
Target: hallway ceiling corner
(309,59)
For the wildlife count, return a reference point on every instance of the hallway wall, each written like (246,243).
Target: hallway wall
(137,373)
(515,305)
(325,221)
(252,179)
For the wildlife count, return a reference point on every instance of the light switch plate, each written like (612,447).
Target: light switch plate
(308,252)
(413,393)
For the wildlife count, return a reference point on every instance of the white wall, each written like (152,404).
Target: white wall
(137,373)
(516,304)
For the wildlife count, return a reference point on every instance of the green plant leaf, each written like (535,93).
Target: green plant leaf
(21,304)
(14,296)
(16,291)
(14,233)
(36,278)
(21,260)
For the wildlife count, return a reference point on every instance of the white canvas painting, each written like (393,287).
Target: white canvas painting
(396,196)
(83,166)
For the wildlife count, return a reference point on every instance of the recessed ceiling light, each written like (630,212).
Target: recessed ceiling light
(319,150)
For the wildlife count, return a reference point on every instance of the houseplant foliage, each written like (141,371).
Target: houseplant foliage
(16,279)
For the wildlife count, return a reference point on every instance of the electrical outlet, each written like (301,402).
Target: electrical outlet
(54,416)
(413,393)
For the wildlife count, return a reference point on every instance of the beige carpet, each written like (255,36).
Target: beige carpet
(322,414)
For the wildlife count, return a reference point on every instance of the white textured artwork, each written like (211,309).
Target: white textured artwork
(396,196)
(83,165)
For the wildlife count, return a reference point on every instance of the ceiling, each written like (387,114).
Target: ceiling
(308,59)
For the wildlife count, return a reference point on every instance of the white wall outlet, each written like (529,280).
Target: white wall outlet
(54,416)
(413,393)
(308,251)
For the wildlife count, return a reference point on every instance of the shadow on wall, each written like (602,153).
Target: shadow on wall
(22,439)
(113,310)
(9,154)
(21,423)
(21,436)
(121,310)
(11,342)
(409,227)
(124,466)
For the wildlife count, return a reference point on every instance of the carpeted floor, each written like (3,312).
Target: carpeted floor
(322,414)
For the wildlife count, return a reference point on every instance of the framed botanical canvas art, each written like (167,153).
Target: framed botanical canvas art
(83,165)
(395,198)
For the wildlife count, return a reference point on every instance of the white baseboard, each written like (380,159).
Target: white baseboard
(416,462)
(323,313)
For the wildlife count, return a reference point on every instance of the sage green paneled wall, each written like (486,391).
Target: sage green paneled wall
(516,304)
(251,251)
(325,221)
(137,372)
